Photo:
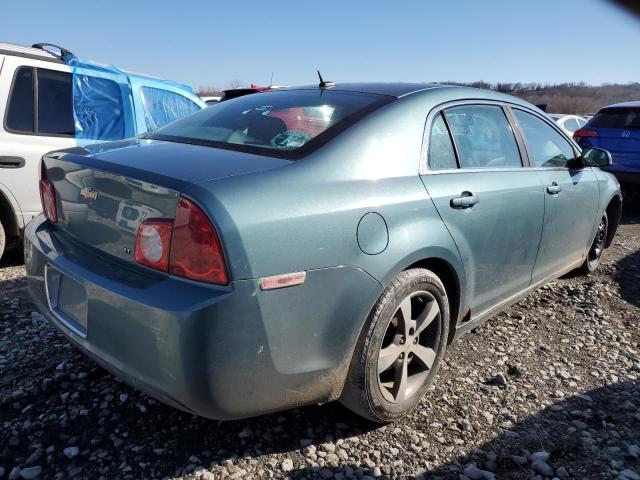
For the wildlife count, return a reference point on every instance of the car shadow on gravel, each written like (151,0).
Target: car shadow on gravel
(13,258)
(628,277)
(602,425)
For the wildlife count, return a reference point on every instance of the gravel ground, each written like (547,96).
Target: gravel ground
(550,388)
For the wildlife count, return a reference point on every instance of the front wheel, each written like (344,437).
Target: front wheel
(597,247)
(400,347)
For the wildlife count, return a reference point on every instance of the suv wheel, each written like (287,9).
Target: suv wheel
(400,347)
(597,247)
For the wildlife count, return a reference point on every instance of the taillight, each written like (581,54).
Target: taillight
(584,132)
(196,252)
(48,197)
(152,244)
(187,247)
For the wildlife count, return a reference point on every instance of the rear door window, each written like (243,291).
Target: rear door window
(20,113)
(441,152)
(483,137)
(546,147)
(617,117)
(55,103)
(41,102)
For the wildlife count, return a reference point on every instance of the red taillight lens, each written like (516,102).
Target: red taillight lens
(583,132)
(48,199)
(196,252)
(153,244)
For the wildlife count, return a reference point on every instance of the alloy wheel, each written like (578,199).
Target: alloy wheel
(409,347)
(597,246)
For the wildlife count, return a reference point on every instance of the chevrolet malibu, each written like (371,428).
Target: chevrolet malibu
(311,244)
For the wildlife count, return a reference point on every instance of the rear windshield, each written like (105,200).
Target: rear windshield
(283,123)
(627,118)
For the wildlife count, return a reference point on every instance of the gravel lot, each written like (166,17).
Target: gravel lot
(549,388)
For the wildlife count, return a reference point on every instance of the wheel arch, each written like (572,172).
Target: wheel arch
(614,212)
(8,217)
(451,280)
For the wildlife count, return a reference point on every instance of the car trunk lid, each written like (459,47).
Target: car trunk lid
(104,192)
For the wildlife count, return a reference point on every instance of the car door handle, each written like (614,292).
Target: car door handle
(465,200)
(11,162)
(554,189)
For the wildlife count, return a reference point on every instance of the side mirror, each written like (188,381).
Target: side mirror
(595,157)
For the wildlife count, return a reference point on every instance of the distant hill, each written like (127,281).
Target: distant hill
(577,98)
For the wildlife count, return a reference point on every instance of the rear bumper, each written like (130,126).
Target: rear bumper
(219,352)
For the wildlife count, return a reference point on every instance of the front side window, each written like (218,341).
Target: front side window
(483,137)
(55,103)
(546,147)
(441,152)
(280,123)
(20,111)
(164,106)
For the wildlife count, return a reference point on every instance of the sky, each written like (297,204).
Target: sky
(216,44)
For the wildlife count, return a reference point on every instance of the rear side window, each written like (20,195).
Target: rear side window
(55,104)
(21,106)
(441,152)
(163,106)
(483,137)
(627,118)
(546,147)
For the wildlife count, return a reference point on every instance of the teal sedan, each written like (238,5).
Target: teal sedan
(311,244)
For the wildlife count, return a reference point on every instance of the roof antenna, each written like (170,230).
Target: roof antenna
(325,84)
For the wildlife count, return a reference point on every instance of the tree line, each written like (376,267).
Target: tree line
(571,98)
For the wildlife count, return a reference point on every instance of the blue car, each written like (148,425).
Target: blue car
(616,128)
(310,244)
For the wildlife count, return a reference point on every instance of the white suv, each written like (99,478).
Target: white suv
(37,111)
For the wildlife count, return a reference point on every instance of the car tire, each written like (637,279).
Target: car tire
(594,255)
(395,361)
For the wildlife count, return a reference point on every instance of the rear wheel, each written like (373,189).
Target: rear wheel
(400,348)
(597,247)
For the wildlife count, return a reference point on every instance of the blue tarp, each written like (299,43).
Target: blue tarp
(110,104)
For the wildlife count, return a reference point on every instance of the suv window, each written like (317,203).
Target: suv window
(483,137)
(441,153)
(54,100)
(20,111)
(162,106)
(55,103)
(546,147)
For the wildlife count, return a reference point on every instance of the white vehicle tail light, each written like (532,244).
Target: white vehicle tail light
(152,244)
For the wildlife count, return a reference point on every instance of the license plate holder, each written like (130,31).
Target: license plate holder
(67,300)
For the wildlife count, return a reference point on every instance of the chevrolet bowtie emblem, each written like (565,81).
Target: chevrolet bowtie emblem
(89,193)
